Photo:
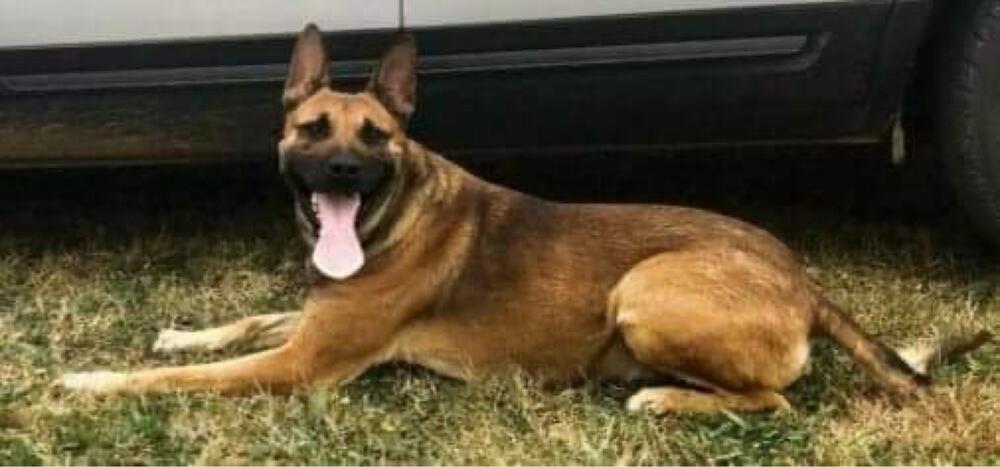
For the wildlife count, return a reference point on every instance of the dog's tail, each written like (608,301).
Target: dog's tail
(906,370)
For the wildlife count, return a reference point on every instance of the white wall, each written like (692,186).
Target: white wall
(47,22)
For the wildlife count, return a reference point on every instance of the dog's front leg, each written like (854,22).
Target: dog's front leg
(277,370)
(345,328)
(335,340)
(257,332)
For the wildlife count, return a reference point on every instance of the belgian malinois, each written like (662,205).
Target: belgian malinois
(421,262)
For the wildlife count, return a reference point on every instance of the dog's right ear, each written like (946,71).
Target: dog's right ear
(309,69)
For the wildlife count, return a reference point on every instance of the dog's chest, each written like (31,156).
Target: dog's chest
(468,343)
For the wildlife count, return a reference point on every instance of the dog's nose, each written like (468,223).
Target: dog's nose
(348,172)
(342,172)
(343,166)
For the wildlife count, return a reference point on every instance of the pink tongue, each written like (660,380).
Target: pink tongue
(338,252)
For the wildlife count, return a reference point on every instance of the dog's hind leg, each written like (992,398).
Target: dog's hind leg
(729,323)
(256,332)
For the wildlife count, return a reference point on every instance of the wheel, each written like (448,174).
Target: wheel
(968,113)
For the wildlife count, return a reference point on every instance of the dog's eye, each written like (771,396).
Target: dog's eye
(316,129)
(372,135)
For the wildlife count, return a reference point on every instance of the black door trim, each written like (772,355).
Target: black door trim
(802,48)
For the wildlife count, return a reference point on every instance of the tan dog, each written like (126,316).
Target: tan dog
(421,262)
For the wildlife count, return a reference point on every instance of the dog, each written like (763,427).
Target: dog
(419,261)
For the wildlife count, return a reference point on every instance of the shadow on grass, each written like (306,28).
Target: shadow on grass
(797,193)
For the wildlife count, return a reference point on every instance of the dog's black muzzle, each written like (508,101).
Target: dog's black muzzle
(344,172)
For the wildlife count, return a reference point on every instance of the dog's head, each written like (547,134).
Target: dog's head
(341,153)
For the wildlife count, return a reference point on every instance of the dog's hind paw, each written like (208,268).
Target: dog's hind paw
(644,400)
(93,381)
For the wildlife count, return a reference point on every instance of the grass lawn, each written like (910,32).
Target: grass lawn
(93,264)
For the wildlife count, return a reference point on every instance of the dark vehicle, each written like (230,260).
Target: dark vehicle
(118,81)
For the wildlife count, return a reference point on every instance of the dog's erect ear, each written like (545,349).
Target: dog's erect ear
(394,80)
(309,69)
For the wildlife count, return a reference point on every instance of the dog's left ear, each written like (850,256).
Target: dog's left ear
(394,80)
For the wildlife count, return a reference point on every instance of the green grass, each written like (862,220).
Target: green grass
(92,265)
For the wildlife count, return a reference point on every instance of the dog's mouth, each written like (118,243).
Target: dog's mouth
(331,221)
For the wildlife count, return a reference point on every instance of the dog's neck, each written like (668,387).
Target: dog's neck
(426,182)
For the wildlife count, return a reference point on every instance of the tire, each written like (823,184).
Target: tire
(968,111)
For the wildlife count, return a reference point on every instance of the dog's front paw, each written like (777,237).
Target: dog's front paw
(169,341)
(172,341)
(99,382)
